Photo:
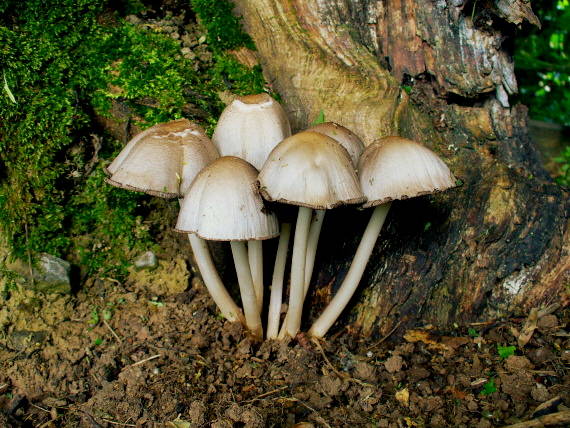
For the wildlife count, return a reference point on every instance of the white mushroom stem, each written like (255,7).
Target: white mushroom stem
(212,280)
(274,312)
(252,314)
(297,292)
(312,243)
(255,255)
(354,275)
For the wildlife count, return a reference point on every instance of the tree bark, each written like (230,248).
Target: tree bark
(437,72)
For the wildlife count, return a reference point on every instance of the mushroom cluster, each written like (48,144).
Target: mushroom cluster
(223,185)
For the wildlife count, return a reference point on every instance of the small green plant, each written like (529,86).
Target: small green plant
(506,351)
(155,302)
(319,119)
(472,332)
(94,320)
(489,387)
(98,341)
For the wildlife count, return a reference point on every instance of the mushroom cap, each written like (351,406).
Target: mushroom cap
(250,127)
(394,168)
(312,170)
(223,204)
(163,160)
(344,136)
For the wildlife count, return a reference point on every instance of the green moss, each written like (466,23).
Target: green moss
(223,27)
(62,61)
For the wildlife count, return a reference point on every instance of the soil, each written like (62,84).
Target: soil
(121,355)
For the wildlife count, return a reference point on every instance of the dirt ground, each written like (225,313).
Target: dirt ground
(124,355)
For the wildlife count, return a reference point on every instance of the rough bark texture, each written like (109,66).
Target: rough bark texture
(434,71)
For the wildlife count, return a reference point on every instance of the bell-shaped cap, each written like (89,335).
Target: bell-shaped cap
(250,127)
(344,136)
(223,204)
(311,170)
(163,160)
(394,168)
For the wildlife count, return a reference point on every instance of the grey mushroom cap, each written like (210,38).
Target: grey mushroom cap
(223,204)
(395,168)
(344,136)
(250,127)
(312,170)
(163,160)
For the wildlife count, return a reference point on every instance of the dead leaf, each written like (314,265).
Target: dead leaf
(394,364)
(528,328)
(428,338)
(457,393)
(178,423)
(403,396)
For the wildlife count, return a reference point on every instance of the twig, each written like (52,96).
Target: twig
(266,394)
(117,423)
(39,407)
(112,331)
(319,417)
(344,376)
(387,336)
(559,418)
(138,363)
(333,368)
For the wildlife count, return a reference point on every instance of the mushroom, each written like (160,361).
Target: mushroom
(354,146)
(312,171)
(249,128)
(163,161)
(391,168)
(223,205)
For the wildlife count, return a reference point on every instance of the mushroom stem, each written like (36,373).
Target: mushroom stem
(212,280)
(312,243)
(274,312)
(297,292)
(255,255)
(354,275)
(250,308)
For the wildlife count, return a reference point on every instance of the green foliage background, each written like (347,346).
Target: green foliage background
(542,63)
(59,59)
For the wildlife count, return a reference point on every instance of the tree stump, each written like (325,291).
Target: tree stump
(438,72)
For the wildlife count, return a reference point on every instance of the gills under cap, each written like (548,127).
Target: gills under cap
(250,127)
(163,160)
(394,168)
(312,170)
(223,204)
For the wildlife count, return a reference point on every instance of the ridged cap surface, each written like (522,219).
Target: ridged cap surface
(394,168)
(312,170)
(344,136)
(250,127)
(223,204)
(163,160)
